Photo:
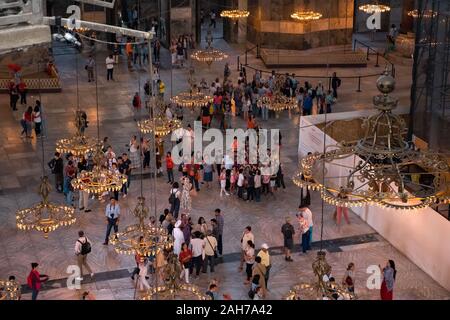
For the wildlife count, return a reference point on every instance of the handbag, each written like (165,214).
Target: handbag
(215,249)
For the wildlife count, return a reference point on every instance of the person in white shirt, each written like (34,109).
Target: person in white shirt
(143,270)
(109,67)
(246,236)
(82,246)
(210,245)
(37,119)
(178,238)
(197,245)
(169,114)
(307,214)
(112,214)
(240,183)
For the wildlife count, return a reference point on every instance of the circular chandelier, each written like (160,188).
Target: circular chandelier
(280,102)
(425,13)
(383,168)
(45,216)
(139,238)
(79,144)
(100,179)
(209,54)
(322,288)
(160,125)
(9,290)
(306,15)
(193,98)
(374,8)
(234,14)
(172,288)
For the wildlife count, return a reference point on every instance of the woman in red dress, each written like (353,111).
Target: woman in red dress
(387,286)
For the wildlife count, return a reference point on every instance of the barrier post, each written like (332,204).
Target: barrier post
(359,84)
(378,55)
(238,63)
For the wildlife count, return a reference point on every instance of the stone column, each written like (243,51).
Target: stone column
(396,13)
(242,23)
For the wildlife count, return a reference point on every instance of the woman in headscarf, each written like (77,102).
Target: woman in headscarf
(387,286)
(178,237)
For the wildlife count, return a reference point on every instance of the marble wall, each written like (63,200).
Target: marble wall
(271,18)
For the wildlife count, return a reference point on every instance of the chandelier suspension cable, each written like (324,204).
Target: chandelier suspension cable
(140,137)
(76,73)
(325,142)
(96,97)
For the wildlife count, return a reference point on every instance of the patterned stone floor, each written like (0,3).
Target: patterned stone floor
(21,168)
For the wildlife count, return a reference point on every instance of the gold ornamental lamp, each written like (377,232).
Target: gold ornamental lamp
(209,54)
(424,13)
(385,165)
(280,102)
(79,144)
(141,238)
(234,14)
(100,179)
(45,216)
(9,290)
(173,288)
(159,124)
(322,288)
(193,98)
(306,16)
(374,8)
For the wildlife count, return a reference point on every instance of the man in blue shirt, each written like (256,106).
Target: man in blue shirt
(307,105)
(112,213)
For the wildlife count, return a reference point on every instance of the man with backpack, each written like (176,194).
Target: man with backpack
(82,249)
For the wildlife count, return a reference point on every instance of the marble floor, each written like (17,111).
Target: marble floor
(21,168)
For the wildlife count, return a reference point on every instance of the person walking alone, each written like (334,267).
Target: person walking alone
(387,286)
(34,280)
(109,67)
(90,64)
(288,235)
(304,231)
(335,84)
(112,213)
(82,249)
(220,224)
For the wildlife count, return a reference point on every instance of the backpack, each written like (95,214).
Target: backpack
(85,247)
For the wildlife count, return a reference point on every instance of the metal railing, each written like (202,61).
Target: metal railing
(325,79)
(371,51)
